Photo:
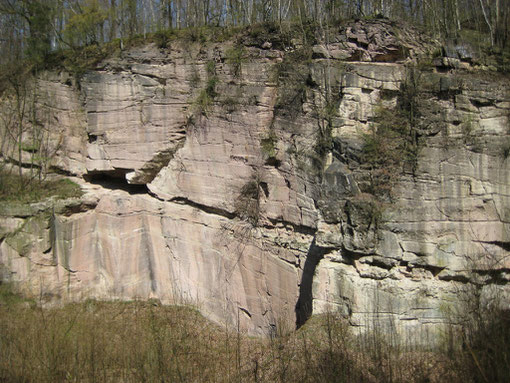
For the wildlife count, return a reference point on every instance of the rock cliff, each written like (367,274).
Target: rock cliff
(238,176)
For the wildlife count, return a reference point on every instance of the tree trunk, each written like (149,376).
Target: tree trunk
(113,20)
(488,21)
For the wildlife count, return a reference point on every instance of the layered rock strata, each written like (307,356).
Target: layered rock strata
(242,184)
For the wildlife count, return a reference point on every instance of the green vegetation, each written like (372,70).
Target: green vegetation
(235,57)
(81,59)
(81,28)
(77,34)
(212,79)
(203,102)
(491,55)
(302,84)
(268,144)
(41,32)
(138,341)
(10,298)
(505,149)
(207,95)
(200,35)
(325,116)
(110,342)
(26,190)
(392,144)
(385,150)
(29,141)
(293,78)
(42,21)
(367,206)
(230,104)
(247,204)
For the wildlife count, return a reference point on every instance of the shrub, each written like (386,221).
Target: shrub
(146,341)
(230,104)
(210,87)
(385,150)
(207,95)
(111,342)
(202,103)
(478,337)
(247,204)
(235,57)
(268,144)
(485,338)
(163,37)
(26,190)
(292,76)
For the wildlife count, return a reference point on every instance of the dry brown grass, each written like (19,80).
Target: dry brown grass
(147,342)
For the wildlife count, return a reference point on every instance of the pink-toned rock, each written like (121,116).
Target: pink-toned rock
(258,206)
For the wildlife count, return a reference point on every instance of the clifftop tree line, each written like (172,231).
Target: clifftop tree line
(33,28)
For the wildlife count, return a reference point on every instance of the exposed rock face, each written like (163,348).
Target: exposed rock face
(259,205)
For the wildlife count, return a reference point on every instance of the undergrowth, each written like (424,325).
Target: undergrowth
(24,189)
(146,341)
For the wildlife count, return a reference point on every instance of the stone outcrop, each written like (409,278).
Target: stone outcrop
(256,200)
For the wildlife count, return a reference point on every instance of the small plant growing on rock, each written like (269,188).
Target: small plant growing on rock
(384,146)
(324,136)
(212,79)
(230,104)
(194,79)
(247,205)
(235,57)
(24,190)
(392,143)
(163,37)
(268,144)
(207,95)
(202,103)
(294,79)
(506,149)
(468,131)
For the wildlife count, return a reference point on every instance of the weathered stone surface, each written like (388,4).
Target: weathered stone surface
(61,113)
(258,203)
(138,247)
(130,119)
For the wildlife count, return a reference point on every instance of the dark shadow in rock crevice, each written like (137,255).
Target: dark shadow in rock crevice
(115,180)
(304,305)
